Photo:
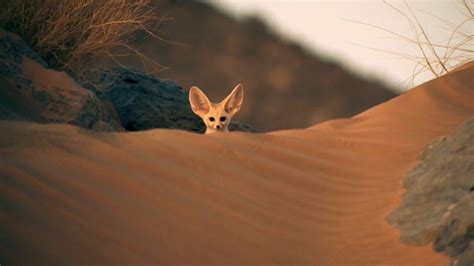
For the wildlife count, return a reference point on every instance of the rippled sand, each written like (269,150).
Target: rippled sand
(315,196)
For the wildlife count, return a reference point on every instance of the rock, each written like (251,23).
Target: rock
(108,100)
(14,106)
(144,102)
(53,96)
(238,126)
(438,206)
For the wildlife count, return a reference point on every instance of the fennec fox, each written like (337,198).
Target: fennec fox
(216,116)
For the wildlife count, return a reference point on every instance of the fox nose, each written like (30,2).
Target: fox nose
(218,127)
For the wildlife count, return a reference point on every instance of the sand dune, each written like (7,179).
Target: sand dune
(316,196)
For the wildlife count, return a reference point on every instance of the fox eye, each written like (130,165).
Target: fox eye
(211,119)
(222,118)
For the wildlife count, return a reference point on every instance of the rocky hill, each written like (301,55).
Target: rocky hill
(285,86)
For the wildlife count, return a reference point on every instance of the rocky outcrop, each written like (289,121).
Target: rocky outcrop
(51,96)
(106,100)
(143,101)
(438,206)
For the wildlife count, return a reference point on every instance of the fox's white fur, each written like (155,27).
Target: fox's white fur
(216,116)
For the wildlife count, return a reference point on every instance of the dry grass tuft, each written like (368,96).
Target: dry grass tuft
(435,57)
(440,58)
(76,34)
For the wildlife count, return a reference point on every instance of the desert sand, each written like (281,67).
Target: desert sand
(315,196)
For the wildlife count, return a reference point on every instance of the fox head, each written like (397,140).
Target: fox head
(216,116)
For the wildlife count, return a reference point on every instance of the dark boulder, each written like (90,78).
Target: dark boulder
(106,100)
(144,102)
(33,92)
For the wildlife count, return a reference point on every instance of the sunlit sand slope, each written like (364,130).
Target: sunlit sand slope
(316,196)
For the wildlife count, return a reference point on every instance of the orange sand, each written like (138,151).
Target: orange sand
(317,196)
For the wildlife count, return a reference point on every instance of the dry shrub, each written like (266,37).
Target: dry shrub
(440,58)
(75,34)
(437,58)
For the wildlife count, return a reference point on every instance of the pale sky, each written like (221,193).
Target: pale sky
(323,28)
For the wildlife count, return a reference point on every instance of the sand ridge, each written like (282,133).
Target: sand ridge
(315,196)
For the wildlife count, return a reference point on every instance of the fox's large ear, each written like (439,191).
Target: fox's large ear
(233,102)
(200,104)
